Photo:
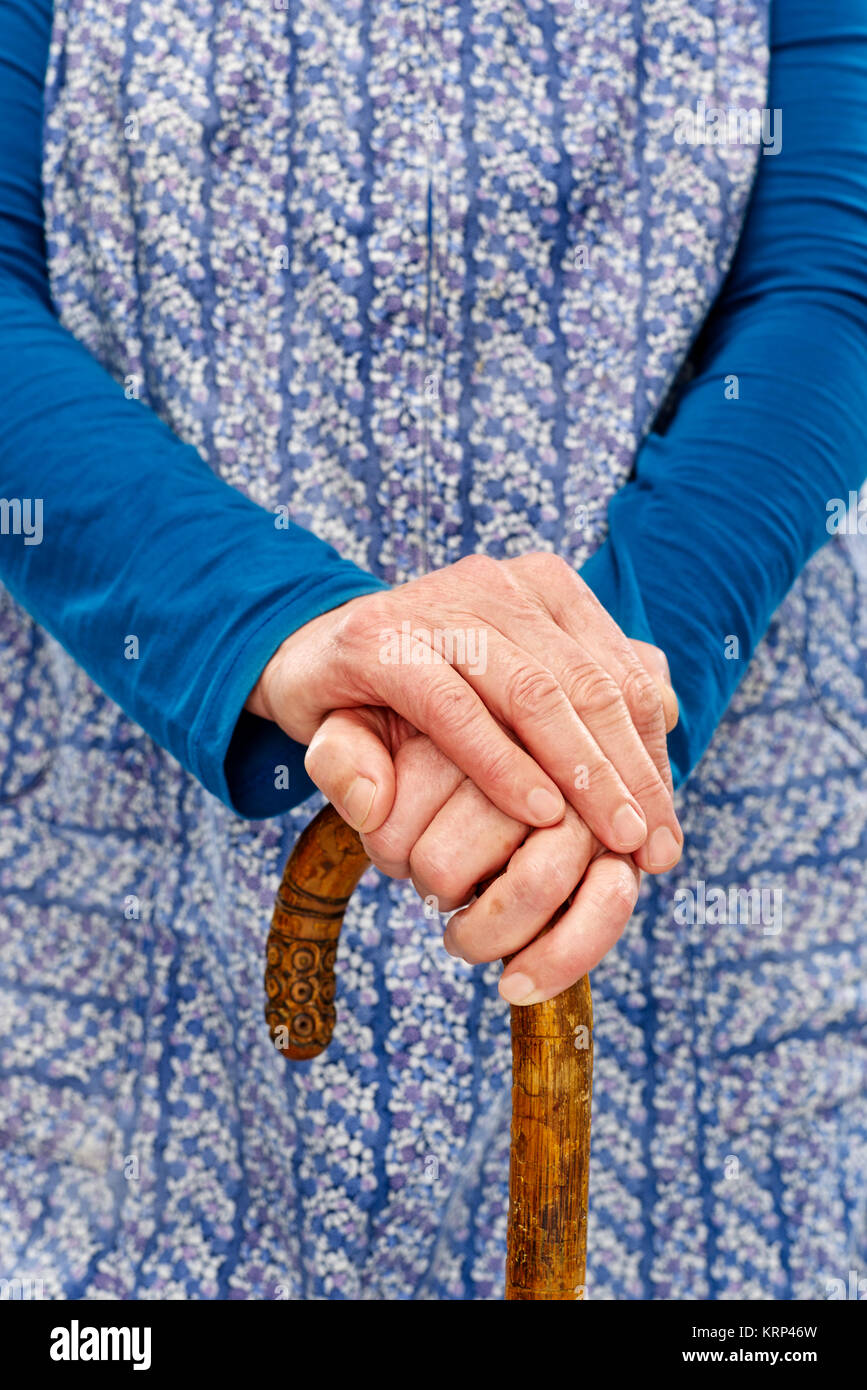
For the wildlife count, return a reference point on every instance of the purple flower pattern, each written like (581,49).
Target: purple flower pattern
(424,273)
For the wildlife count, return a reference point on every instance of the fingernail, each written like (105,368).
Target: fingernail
(663,848)
(519,989)
(629,827)
(358,801)
(545,805)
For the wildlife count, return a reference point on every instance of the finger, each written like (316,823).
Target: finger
(468,840)
(660,853)
(618,701)
(438,701)
(550,708)
(654,714)
(620,748)
(537,880)
(576,609)
(655,662)
(653,719)
(588,929)
(349,762)
(425,780)
(650,705)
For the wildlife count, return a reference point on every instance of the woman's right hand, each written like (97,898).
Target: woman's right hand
(526,655)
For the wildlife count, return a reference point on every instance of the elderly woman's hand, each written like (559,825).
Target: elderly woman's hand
(514,670)
(444,834)
(532,872)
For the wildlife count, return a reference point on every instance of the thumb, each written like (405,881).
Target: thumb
(349,762)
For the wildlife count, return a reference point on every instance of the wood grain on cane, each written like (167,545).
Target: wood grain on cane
(549,1165)
(552,1061)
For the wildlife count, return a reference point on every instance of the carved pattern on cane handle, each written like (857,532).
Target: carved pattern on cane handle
(300,982)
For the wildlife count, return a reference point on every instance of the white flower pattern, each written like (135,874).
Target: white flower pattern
(377,318)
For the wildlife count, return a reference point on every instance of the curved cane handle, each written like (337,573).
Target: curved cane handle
(318,880)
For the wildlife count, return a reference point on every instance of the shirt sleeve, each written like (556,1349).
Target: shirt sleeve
(726,506)
(115,530)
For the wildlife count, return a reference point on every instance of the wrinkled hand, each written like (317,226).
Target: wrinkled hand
(469,840)
(540,700)
(430,830)
(446,836)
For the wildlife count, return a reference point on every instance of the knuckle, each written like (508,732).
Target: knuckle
(620,887)
(594,771)
(643,697)
(524,880)
(559,881)
(467,943)
(434,868)
(498,764)
(556,566)
(481,570)
(535,882)
(538,572)
(532,690)
(446,706)
(649,791)
(590,689)
(547,564)
(360,626)
(388,847)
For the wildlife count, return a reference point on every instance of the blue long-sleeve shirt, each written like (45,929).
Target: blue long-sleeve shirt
(724,510)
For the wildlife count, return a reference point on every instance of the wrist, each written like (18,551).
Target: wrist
(258,702)
(271,697)
(265,698)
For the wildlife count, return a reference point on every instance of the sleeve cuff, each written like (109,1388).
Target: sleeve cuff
(249,763)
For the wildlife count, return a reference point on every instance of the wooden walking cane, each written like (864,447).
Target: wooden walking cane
(552,1061)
